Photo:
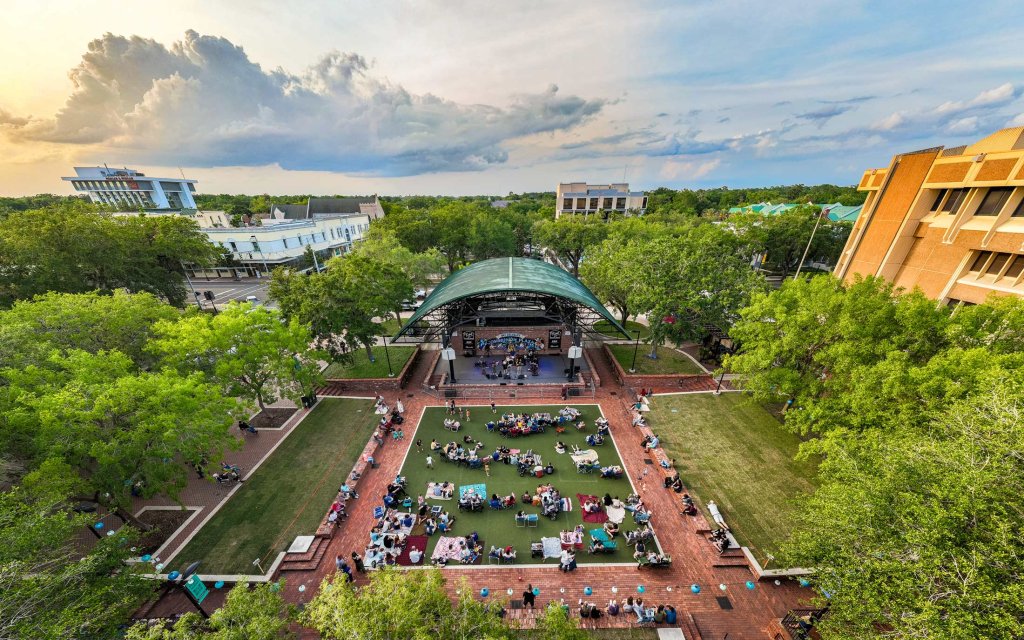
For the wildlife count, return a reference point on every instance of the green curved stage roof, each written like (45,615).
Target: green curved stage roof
(510,274)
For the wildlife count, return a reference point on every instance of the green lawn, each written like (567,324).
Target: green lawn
(361,367)
(668,361)
(389,327)
(498,527)
(288,495)
(605,327)
(731,450)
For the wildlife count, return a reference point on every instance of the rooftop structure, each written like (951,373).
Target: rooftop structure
(588,199)
(369,206)
(950,221)
(131,188)
(836,212)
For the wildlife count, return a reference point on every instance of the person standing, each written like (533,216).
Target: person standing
(528,597)
(487,469)
(357,560)
(419,445)
(467,414)
(400,407)
(493,408)
(430,462)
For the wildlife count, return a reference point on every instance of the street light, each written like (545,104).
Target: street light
(259,249)
(391,373)
(808,247)
(636,346)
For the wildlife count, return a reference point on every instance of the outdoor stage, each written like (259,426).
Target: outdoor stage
(552,370)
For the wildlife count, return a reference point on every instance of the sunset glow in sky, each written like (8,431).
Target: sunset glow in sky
(459,97)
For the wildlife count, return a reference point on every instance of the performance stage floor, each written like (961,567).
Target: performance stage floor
(552,370)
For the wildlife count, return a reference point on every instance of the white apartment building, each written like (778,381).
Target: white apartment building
(130,188)
(587,199)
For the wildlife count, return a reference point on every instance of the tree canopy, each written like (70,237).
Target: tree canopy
(73,248)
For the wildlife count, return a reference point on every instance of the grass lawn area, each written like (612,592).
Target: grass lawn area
(389,327)
(360,367)
(605,327)
(669,360)
(497,527)
(731,450)
(288,495)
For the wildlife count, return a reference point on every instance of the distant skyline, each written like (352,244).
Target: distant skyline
(465,98)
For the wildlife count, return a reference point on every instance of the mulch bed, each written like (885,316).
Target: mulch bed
(272,418)
(165,522)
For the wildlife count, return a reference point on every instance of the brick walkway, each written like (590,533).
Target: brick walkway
(738,612)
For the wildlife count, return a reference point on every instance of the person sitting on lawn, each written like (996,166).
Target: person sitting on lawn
(429,526)
(592,506)
(596,546)
(508,554)
(560,447)
(495,553)
(611,529)
(495,502)
(527,498)
(415,555)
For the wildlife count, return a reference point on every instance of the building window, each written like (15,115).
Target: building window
(567,203)
(644,205)
(607,203)
(232,246)
(997,264)
(581,203)
(1015,267)
(955,199)
(620,203)
(593,203)
(1019,211)
(994,201)
(938,199)
(980,261)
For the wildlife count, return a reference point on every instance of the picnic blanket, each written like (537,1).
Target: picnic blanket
(616,514)
(431,495)
(600,516)
(420,542)
(403,529)
(478,489)
(447,548)
(552,547)
(586,456)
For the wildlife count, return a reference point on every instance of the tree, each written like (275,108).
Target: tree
(813,341)
(451,224)
(92,322)
(397,605)
(915,533)
(49,587)
(688,281)
(569,237)
(257,613)
(383,245)
(74,248)
(611,273)
(118,432)
(555,622)
(784,236)
(247,349)
(339,304)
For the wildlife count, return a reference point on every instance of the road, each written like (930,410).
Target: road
(225,291)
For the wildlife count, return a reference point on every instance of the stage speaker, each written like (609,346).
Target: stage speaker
(520,383)
(450,393)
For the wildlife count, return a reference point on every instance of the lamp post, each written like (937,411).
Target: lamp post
(807,248)
(259,249)
(391,374)
(189,281)
(636,346)
(718,391)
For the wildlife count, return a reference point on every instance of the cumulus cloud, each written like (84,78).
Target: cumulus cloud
(999,95)
(687,169)
(202,101)
(963,126)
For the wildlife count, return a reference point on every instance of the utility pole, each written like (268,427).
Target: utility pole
(808,247)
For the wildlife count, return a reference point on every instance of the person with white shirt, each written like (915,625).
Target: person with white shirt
(415,555)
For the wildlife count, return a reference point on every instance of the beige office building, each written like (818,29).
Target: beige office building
(588,199)
(950,221)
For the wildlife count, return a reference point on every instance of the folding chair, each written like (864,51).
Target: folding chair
(532,519)
(521,520)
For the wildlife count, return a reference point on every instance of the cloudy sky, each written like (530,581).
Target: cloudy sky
(461,97)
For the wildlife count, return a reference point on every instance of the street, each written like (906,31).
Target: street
(226,290)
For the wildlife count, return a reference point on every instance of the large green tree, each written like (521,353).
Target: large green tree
(915,533)
(569,237)
(398,605)
(248,349)
(699,277)
(610,272)
(117,431)
(73,248)
(49,586)
(339,305)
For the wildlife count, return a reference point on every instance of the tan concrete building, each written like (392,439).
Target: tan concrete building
(950,221)
(588,199)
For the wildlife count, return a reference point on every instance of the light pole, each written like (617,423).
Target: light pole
(808,247)
(636,346)
(718,391)
(189,281)
(259,249)
(391,373)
